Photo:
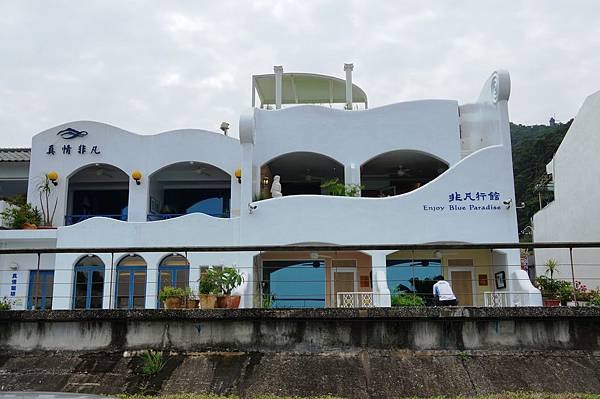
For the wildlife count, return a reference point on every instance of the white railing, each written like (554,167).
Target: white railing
(500,299)
(355,300)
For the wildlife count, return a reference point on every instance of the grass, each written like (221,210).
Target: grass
(508,395)
(153,363)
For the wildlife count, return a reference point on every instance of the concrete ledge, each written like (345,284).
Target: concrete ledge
(407,313)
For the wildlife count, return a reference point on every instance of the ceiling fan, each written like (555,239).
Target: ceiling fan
(100,171)
(402,171)
(199,170)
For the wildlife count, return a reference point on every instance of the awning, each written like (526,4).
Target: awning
(306,88)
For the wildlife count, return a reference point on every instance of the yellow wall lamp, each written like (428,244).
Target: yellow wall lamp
(137,176)
(53,177)
(238,175)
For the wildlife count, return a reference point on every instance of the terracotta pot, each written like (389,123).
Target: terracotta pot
(173,303)
(228,301)
(551,303)
(207,301)
(28,226)
(46,228)
(192,303)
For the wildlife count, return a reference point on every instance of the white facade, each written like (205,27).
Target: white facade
(574,214)
(468,200)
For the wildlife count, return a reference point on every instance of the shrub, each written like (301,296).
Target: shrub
(340,189)
(172,292)
(153,362)
(16,216)
(208,282)
(228,279)
(403,299)
(5,304)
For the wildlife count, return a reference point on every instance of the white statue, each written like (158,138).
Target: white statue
(276,187)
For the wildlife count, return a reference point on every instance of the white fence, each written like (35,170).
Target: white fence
(500,299)
(355,300)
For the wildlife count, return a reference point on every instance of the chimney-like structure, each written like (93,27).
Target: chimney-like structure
(348,68)
(278,69)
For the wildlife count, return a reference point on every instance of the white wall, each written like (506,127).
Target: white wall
(574,214)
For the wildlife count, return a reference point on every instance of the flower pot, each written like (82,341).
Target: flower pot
(551,303)
(173,303)
(192,303)
(28,226)
(46,228)
(228,301)
(207,301)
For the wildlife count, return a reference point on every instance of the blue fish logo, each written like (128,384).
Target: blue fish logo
(70,133)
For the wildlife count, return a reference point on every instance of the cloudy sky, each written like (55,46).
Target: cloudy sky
(150,66)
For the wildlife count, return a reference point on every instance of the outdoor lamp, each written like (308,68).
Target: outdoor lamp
(265,180)
(53,177)
(238,174)
(137,176)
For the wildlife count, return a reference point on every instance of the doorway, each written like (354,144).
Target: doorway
(462,285)
(343,279)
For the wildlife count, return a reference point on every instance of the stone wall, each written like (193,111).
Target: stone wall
(374,353)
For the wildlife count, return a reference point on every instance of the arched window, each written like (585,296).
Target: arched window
(97,190)
(301,173)
(131,283)
(189,187)
(174,271)
(88,291)
(399,172)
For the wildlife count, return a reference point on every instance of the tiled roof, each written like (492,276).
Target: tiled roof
(15,154)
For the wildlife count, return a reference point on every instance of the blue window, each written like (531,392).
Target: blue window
(295,284)
(41,287)
(131,283)
(89,283)
(416,276)
(174,271)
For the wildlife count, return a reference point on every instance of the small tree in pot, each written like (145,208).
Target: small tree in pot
(172,297)
(227,280)
(208,289)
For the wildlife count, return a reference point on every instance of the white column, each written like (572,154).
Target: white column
(246,268)
(137,206)
(381,292)
(348,68)
(152,261)
(63,281)
(278,69)
(352,173)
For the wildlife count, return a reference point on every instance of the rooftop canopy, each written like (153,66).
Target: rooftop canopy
(305,88)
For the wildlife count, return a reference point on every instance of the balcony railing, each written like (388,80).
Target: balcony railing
(72,219)
(152,217)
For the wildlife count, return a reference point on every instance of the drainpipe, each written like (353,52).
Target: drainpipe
(348,68)
(278,69)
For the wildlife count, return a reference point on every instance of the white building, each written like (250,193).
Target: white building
(432,171)
(574,214)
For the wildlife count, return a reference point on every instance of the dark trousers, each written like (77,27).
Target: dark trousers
(451,302)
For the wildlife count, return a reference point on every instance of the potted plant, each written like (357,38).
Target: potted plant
(208,289)
(45,188)
(172,298)
(335,188)
(551,288)
(192,301)
(227,280)
(23,216)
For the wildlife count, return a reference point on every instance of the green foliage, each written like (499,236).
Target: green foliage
(153,362)
(463,355)
(208,282)
(553,289)
(267,301)
(228,279)
(595,299)
(334,187)
(404,299)
(45,187)
(532,148)
(262,195)
(172,292)
(16,216)
(5,304)
(551,267)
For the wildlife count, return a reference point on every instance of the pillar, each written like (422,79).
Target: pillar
(278,69)
(348,68)
(381,292)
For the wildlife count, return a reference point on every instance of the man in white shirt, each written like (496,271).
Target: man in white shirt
(443,294)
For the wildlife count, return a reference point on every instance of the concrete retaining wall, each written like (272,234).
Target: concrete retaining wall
(346,352)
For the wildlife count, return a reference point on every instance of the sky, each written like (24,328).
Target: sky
(153,66)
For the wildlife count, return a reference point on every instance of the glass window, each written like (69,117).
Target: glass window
(131,282)
(413,276)
(295,284)
(174,271)
(89,283)
(41,288)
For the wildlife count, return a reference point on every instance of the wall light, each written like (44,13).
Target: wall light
(53,177)
(137,176)
(265,181)
(238,174)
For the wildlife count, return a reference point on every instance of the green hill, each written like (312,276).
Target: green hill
(532,148)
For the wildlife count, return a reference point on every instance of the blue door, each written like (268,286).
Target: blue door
(89,287)
(41,287)
(131,287)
